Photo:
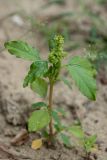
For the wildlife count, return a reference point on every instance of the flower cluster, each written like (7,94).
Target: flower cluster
(57,53)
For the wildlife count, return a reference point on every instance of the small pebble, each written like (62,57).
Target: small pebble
(17,20)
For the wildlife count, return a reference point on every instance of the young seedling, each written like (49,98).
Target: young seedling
(44,72)
(86,142)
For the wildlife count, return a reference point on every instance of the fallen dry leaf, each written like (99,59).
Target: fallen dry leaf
(36,144)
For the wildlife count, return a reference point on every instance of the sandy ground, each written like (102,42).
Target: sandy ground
(15,102)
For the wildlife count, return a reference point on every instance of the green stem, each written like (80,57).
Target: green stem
(50,110)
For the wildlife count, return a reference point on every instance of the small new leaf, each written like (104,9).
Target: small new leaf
(39,105)
(77,131)
(56,117)
(83,73)
(40,86)
(22,50)
(38,120)
(89,143)
(65,140)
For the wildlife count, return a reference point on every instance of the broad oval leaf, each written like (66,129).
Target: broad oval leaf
(40,86)
(83,73)
(38,120)
(22,50)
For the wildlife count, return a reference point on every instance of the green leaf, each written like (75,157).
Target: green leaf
(56,117)
(22,50)
(40,86)
(29,78)
(38,120)
(90,142)
(40,68)
(77,131)
(37,69)
(83,73)
(65,140)
(39,105)
(57,127)
(45,134)
(66,82)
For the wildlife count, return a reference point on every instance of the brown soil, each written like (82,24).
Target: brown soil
(15,102)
